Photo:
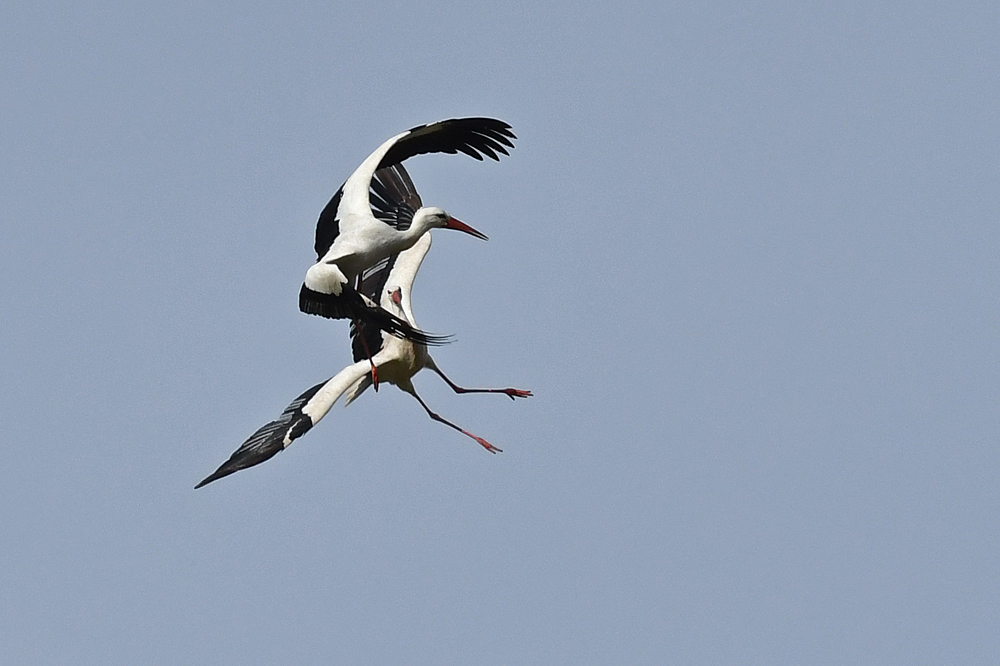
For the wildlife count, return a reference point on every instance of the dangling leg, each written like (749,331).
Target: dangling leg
(510,392)
(482,442)
(368,353)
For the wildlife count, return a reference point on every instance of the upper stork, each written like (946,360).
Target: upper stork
(353,234)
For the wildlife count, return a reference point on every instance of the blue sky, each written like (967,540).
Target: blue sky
(745,257)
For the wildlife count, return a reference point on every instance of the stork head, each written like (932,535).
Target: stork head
(435,218)
(396,300)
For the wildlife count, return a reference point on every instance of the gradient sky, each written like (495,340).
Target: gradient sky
(745,256)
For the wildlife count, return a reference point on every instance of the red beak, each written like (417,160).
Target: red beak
(462,226)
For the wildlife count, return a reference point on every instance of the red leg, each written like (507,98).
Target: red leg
(368,353)
(509,392)
(482,442)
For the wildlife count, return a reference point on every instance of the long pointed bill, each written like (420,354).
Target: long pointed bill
(462,226)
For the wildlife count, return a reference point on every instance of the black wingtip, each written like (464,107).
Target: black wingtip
(270,438)
(475,137)
(245,457)
(208,479)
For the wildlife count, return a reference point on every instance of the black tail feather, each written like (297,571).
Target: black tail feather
(351,305)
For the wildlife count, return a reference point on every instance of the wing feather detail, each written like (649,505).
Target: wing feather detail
(473,136)
(270,438)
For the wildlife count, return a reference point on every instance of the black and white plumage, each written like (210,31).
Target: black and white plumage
(389,283)
(397,361)
(351,235)
(272,437)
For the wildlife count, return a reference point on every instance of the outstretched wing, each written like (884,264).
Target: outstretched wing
(392,198)
(475,137)
(297,419)
(270,438)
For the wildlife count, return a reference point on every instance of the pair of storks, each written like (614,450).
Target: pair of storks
(370,241)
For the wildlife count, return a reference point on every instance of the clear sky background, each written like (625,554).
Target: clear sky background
(746,257)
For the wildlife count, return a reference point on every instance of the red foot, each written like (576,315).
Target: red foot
(486,445)
(374,375)
(517,393)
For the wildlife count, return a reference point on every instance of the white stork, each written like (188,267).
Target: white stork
(390,283)
(351,236)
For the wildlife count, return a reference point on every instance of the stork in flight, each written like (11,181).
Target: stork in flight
(390,282)
(351,235)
